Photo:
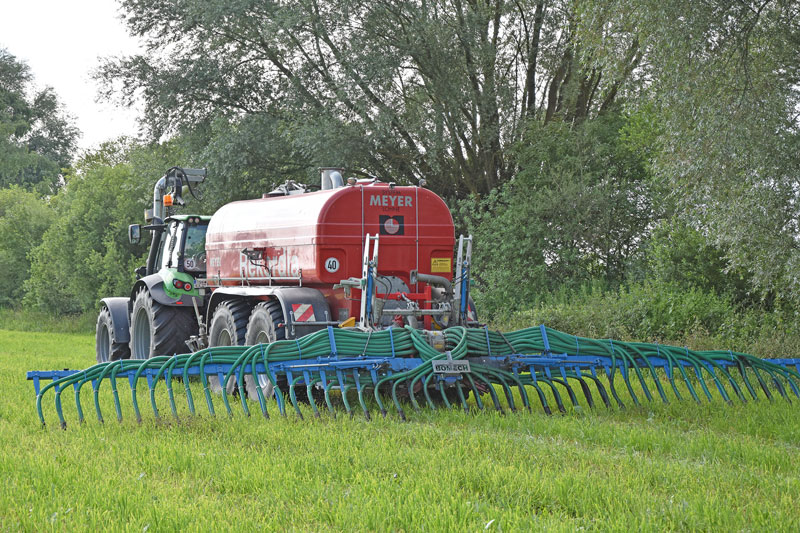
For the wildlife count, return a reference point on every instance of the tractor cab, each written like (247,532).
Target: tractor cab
(178,241)
(177,254)
(178,244)
(181,245)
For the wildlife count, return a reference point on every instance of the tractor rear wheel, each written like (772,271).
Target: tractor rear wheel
(228,327)
(158,329)
(266,325)
(106,346)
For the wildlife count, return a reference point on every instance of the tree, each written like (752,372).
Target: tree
(406,90)
(37,139)
(578,211)
(23,220)
(246,158)
(728,92)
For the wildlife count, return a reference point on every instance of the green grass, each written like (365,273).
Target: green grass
(680,466)
(32,320)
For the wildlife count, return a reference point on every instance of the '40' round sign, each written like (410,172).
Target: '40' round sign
(332,264)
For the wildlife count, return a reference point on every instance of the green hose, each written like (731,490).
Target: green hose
(637,364)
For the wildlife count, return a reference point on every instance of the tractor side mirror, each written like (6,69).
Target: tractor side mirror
(134,233)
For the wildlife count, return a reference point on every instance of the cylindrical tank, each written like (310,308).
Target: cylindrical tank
(317,238)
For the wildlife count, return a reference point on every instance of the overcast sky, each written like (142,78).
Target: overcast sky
(61,41)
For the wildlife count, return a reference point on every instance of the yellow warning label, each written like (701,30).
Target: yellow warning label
(440,264)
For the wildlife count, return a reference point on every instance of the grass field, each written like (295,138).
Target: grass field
(679,466)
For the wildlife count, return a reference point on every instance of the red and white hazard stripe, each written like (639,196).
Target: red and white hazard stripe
(303,312)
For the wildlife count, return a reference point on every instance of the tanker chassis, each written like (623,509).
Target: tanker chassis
(286,265)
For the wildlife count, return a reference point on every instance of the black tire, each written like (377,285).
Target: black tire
(266,325)
(229,324)
(106,346)
(228,328)
(158,329)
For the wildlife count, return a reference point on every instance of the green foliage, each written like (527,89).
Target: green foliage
(85,254)
(679,254)
(578,211)
(667,313)
(726,85)
(249,156)
(37,139)
(23,220)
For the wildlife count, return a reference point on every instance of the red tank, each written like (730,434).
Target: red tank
(317,239)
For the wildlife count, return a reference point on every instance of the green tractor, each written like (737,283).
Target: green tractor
(163,313)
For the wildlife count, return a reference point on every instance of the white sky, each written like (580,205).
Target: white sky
(61,41)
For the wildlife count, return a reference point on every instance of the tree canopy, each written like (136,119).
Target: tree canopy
(406,90)
(37,138)
(728,94)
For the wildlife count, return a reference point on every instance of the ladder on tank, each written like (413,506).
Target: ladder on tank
(461,281)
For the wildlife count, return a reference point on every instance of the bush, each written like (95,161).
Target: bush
(577,212)
(667,314)
(23,220)
(85,255)
(679,253)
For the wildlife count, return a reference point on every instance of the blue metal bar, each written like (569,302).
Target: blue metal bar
(464,288)
(542,361)
(368,293)
(332,340)
(546,342)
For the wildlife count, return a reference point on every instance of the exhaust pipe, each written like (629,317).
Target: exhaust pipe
(331,178)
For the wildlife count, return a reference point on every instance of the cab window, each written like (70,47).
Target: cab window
(194,257)
(159,262)
(171,245)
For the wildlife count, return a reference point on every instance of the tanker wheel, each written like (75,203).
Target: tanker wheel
(228,327)
(106,346)
(266,325)
(158,329)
